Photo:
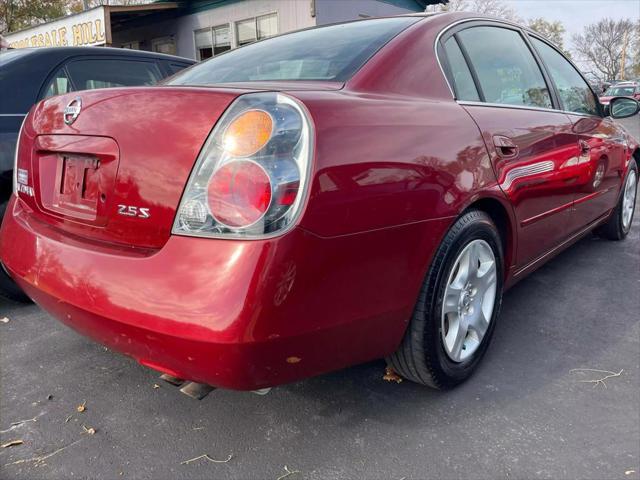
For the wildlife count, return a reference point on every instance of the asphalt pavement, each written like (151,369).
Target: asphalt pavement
(527,413)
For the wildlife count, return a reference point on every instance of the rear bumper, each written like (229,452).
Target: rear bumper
(234,314)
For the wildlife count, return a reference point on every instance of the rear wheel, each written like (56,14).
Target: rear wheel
(458,306)
(619,223)
(8,288)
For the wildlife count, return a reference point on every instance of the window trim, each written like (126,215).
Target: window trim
(470,66)
(455,27)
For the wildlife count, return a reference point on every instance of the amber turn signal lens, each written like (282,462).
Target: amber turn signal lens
(248,133)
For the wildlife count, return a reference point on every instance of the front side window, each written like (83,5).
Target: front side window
(505,67)
(59,84)
(575,94)
(459,71)
(332,53)
(105,73)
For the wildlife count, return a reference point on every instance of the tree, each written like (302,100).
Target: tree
(601,45)
(633,70)
(552,31)
(494,8)
(19,14)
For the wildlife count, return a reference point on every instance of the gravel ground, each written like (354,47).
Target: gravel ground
(525,414)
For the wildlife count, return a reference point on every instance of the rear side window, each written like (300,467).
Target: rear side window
(95,73)
(575,94)
(505,67)
(332,53)
(177,67)
(58,85)
(460,74)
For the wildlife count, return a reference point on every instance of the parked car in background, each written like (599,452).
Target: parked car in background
(289,208)
(622,89)
(29,75)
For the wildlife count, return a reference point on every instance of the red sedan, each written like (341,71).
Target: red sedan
(622,89)
(317,200)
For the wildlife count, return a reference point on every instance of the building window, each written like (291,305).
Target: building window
(212,41)
(164,45)
(257,28)
(131,45)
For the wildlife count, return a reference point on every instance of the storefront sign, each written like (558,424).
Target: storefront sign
(83,29)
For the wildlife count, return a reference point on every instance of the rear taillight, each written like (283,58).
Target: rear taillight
(250,178)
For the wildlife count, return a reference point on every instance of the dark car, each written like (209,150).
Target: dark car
(32,74)
(318,199)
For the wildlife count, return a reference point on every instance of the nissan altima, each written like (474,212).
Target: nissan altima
(319,199)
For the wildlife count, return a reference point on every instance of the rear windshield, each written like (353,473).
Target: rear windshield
(332,53)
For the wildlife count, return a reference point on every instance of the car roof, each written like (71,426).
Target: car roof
(63,52)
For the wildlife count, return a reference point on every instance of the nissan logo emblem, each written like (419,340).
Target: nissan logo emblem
(72,110)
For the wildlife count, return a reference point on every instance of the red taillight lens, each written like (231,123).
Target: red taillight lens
(239,193)
(251,176)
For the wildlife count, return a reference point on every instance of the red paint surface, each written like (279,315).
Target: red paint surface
(395,161)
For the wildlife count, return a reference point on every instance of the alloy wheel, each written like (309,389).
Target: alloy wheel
(469,300)
(629,199)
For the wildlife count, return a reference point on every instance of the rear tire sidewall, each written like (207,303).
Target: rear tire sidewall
(480,229)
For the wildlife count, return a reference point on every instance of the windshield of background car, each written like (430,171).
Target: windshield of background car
(331,53)
(620,92)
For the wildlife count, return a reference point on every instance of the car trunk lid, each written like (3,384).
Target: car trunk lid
(116,172)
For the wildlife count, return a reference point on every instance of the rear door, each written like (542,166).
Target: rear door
(600,157)
(532,146)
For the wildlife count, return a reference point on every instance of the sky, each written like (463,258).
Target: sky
(575,14)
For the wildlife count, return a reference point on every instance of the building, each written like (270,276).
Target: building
(200,29)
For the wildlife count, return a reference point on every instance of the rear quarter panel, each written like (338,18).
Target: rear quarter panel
(384,161)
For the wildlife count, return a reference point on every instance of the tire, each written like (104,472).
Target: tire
(619,223)
(8,288)
(424,355)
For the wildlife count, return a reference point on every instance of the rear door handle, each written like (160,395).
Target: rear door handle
(505,147)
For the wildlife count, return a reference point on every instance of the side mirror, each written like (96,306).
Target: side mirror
(622,107)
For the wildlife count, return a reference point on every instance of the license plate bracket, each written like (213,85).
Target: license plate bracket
(78,180)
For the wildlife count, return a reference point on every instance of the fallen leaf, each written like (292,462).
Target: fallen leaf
(4,320)
(12,443)
(83,407)
(294,360)
(155,385)
(390,375)
(208,458)
(90,430)
(288,473)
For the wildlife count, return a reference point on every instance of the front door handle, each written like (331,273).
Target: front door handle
(505,147)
